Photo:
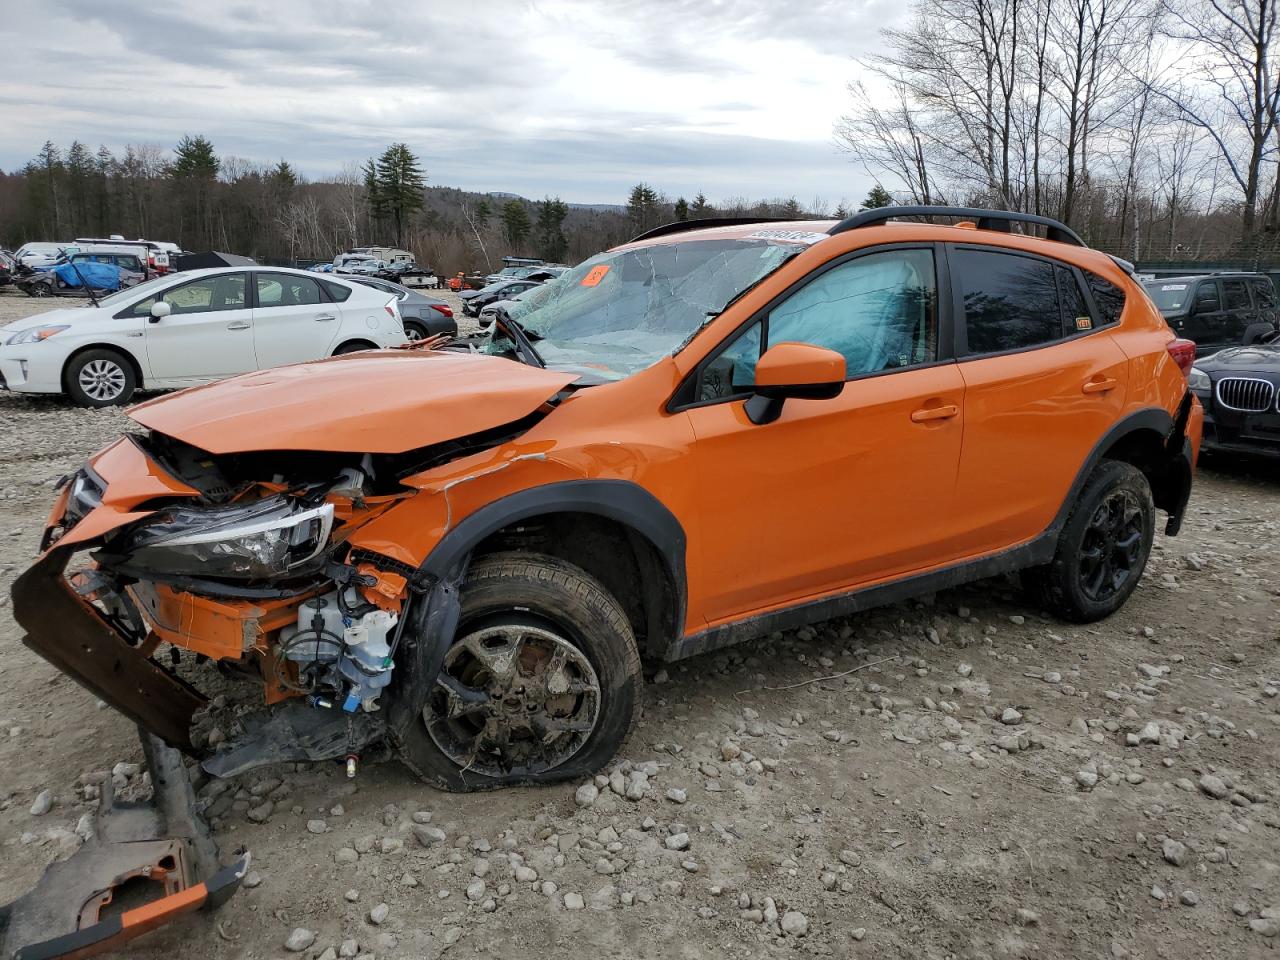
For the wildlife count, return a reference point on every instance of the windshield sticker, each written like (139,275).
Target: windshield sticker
(1173,286)
(595,275)
(794,236)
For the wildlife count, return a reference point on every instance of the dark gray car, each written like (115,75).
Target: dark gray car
(423,316)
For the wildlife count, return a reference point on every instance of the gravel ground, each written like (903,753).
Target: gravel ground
(959,776)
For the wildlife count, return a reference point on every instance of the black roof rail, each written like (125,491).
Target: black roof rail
(680,226)
(985,219)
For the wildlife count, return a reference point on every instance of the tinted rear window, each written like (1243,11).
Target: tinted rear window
(1010,302)
(1264,293)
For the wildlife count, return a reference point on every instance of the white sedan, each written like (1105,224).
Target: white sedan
(189,328)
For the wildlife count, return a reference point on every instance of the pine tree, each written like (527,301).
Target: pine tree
(283,175)
(642,206)
(482,213)
(682,209)
(876,198)
(105,168)
(195,160)
(194,171)
(842,212)
(515,222)
(700,207)
(792,209)
(394,185)
(552,244)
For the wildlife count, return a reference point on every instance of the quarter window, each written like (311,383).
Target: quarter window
(1108,298)
(878,311)
(1010,302)
(1075,312)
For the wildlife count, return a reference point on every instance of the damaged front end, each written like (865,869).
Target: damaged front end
(244,607)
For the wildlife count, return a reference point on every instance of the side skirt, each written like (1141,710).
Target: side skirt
(1030,554)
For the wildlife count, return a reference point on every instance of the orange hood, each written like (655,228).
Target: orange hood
(375,402)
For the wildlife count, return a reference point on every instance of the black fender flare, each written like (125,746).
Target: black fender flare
(438,582)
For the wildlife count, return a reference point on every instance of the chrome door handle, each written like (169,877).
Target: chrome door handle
(320,317)
(238,325)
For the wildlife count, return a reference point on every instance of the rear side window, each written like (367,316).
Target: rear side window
(1108,298)
(1010,302)
(1235,295)
(1264,293)
(336,291)
(1075,311)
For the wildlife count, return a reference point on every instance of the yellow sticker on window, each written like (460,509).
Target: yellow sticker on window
(595,275)
(1084,323)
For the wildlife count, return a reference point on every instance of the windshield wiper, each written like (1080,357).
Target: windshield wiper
(523,343)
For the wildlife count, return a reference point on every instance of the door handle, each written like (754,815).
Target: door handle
(1098,386)
(925,414)
(321,317)
(238,325)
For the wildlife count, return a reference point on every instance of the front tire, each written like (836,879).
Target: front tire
(540,684)
(99,378)
(1102,549)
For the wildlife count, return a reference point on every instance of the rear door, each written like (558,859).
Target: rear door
(1264,299)
(1205,323)
(293,319)
(208,332)
(1237,309)
(1043,382)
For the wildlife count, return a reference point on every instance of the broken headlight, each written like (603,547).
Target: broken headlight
(268,538)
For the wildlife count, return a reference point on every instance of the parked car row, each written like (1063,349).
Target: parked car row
(190,328)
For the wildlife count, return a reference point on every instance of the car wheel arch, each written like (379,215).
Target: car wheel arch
(593,509)
(134,362)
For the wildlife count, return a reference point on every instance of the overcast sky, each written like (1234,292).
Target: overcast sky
(579,99)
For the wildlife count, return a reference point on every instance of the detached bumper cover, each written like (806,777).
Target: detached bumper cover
(161,845)
(76,638)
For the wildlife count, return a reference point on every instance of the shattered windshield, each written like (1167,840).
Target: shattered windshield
(620,312)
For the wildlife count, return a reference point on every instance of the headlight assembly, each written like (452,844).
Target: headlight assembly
(268,538)
(36,334)
(1198,381)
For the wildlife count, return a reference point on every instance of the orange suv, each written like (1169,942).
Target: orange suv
(718,430)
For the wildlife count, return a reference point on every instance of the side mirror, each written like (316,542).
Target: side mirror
(159,310)
(798,370)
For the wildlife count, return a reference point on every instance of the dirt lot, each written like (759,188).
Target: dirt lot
(967,792)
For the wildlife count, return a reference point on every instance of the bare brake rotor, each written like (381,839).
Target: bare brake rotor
(513,699)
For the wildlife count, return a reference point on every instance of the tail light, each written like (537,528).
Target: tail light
(391,310)
(443,309)
(1183,353)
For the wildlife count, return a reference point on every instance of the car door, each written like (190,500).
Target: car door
(208,332)
(293,319)
(841,492)
(1044,380)
(1237,310)
(1264,298)
(1204,322)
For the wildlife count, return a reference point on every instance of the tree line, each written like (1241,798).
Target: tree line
(195,197)
(1149,126)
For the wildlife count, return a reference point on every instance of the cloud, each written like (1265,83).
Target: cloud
(553,96)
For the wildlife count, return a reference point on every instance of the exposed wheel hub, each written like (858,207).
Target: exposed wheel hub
(513,699)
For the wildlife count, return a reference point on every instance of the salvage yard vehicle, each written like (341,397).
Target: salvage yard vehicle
(1240,390)
(1218,311)
(191,328)
(717,430)
(82,272)
(422,316)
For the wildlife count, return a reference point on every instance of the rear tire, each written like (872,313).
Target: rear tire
(543,680)
(1102,549)
(354,346)
(414,331)
(99,378)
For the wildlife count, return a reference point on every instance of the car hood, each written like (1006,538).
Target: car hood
(385,401)
(61,315)
(1257,358)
